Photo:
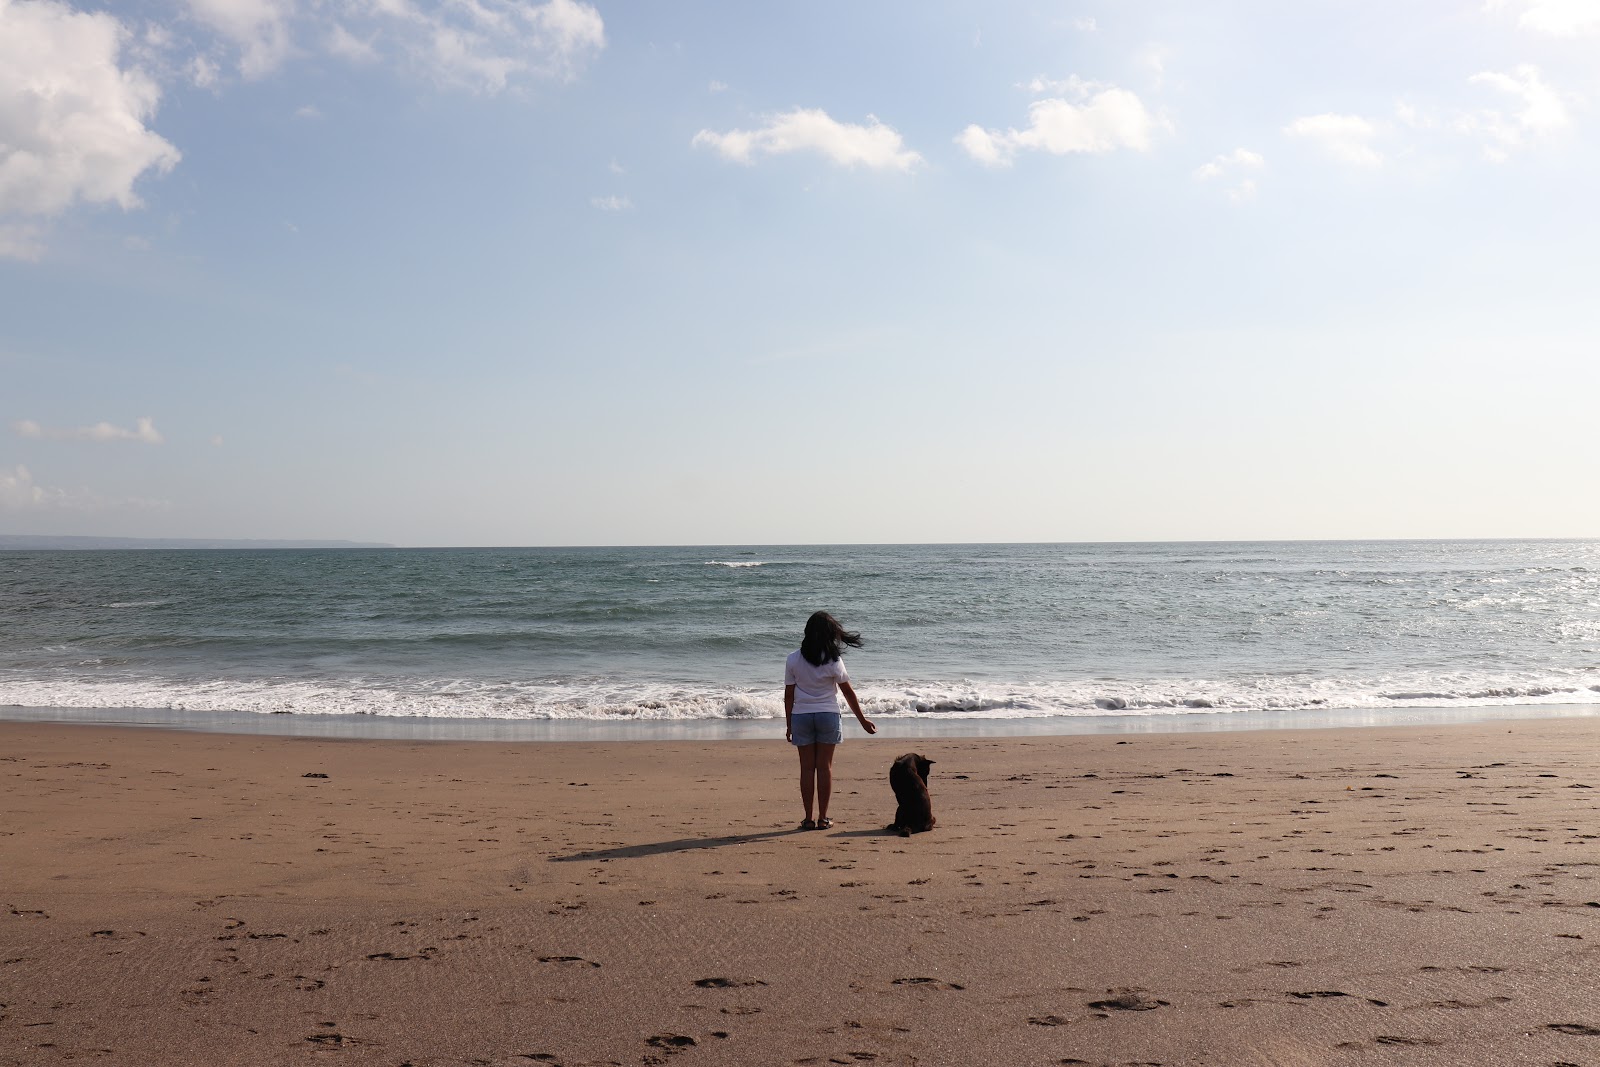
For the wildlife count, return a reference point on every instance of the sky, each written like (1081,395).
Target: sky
(510,272)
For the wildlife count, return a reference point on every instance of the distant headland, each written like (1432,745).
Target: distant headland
(16,542)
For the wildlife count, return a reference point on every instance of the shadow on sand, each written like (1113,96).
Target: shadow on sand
(683,844)
(686,844)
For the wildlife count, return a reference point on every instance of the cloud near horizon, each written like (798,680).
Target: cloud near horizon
(19,492)
(874,145)
(1104,119)
(144,432)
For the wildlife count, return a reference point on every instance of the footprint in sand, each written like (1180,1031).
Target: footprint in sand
(568,959)
(1127,1000)
(422,955)
(928,983)
(1578,1029)
(726,983)
(335,1040)
(1389,1039)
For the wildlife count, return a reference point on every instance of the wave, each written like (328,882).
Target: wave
(601,700)
(735,563)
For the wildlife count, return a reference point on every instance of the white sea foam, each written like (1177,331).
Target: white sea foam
(616,701)
(735,563)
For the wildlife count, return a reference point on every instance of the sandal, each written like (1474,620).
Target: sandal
(807,824)
(824,823)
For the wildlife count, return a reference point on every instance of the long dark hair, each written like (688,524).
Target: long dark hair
(824,635)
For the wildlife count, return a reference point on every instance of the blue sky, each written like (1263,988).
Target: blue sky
(506,272)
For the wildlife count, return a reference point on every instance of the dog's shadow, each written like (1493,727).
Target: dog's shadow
(878,832)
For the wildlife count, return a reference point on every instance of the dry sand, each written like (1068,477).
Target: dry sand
(1361,896)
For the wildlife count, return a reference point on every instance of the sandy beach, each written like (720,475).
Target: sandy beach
(1390,895)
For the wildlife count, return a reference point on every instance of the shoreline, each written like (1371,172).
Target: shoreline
(1418,894)
(424,728)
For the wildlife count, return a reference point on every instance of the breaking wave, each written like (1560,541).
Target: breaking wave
(612,701)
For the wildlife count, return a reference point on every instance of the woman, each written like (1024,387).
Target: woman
(813,678)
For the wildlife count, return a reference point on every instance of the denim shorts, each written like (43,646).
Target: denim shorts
(817,727)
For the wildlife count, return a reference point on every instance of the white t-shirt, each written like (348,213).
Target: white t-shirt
(816,689)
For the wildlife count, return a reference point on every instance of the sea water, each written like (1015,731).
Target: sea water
(965,633)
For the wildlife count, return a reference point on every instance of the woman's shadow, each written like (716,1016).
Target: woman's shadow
(688,844)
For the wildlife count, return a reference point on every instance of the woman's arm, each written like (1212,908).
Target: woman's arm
(788,713)
(855,705)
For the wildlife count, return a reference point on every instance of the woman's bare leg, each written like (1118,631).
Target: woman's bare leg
(808,775)
(824,764)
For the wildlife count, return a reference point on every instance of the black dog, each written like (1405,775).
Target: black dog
(908,777)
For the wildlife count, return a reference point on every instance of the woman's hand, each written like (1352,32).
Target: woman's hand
(869,726)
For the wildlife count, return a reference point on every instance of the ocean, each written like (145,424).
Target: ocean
(958,634)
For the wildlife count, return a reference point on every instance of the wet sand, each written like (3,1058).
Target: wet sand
(1409,895)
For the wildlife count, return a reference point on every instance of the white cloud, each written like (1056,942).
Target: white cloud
(1409,114)
(1560,18)
(258,28)
(1154,60)
(1239,157)
(72,118)
(875,146)
(718,87)
(346,45)
(1071,85)
(21,240)
(203,72)
(1105,119)
(144,431)
(1231,163)
(1537,111)
(481,45)
(612,203)
(1542,113)
(1085,23)
(19,492)
(1344,137)
(308,111)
